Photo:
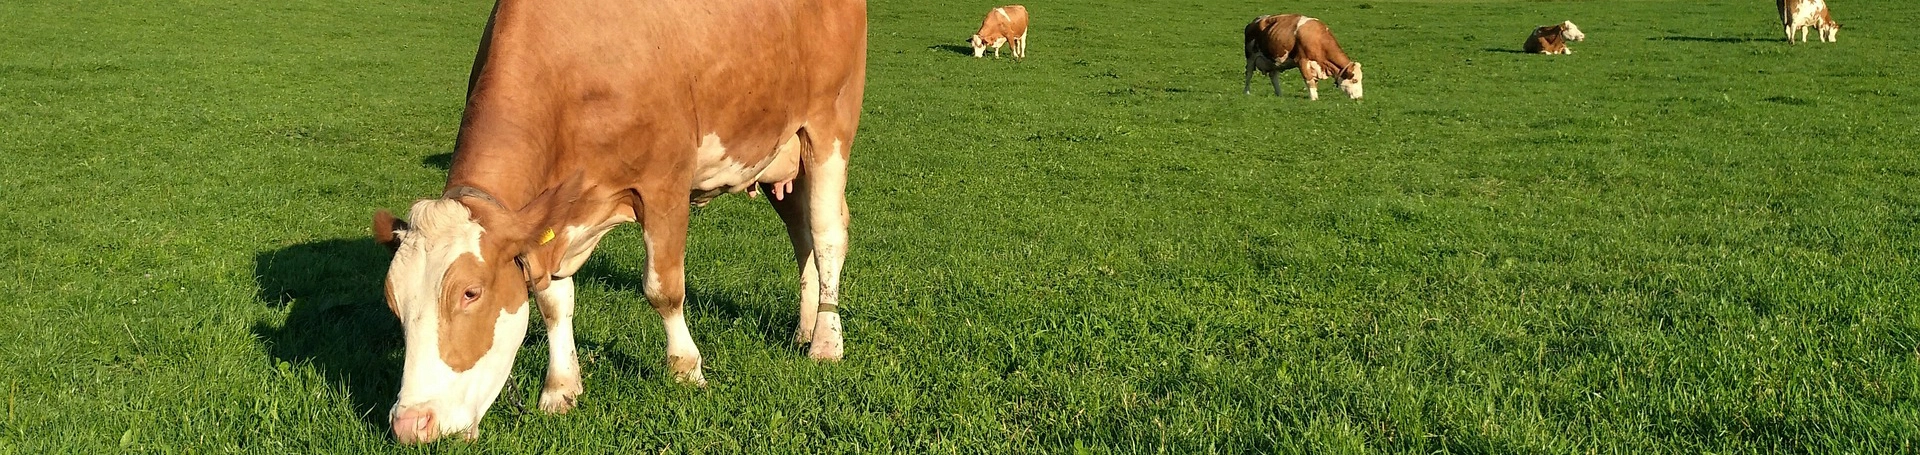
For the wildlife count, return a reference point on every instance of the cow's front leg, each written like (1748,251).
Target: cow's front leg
(1274,77)
(665,227)
(1789,34)
(563,365)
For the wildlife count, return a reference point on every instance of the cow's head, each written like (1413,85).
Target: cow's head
(459,283)
(1349,80)
(979,46)
(1571,32)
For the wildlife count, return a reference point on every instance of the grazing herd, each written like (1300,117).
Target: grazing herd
(580,118)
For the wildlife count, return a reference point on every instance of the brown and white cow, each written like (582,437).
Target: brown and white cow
(583,115)
(1281,42)
(1002,24)
(1800,15)
(1552,39)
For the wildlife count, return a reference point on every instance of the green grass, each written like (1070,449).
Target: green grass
(1686,237)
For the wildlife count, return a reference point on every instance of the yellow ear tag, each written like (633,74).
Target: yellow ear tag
(546,237)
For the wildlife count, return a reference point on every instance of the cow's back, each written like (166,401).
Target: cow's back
(1004,22)
(1546,39)
(1273,37)
(627,90)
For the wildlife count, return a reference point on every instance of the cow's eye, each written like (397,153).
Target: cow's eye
(472,295)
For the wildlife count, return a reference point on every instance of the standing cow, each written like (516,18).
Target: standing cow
(583,115)
(1553,39)
(1285,41)
(1800,15)
(1003,24)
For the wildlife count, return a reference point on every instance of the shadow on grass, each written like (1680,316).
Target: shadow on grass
(336,320)
(1706,39)
(442,161)
(1505,50)
(773,326)
(954,48)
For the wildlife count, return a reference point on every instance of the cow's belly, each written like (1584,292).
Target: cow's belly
(1804,13)
(1271,65)
(719,171)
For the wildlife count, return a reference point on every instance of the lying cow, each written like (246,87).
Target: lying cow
(1553,39)
(1003,24)
(1285,41)
(1800,15)
(583,115)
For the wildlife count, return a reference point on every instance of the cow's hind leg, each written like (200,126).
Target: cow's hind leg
(827,220)
(563,366)
(665,226)
(793,212)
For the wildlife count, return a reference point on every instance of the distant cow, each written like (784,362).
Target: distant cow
(1006,23)
(1800,15)
(1285,41)
(1553,39)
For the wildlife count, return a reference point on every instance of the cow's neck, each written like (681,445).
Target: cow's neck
(503,159)
(1338,61)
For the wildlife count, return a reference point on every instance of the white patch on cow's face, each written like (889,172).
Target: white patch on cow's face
(442,232)
(1572,32)
(979,46)
(1351,83)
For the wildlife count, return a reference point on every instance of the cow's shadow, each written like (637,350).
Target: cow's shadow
(442,161)
(954,48)
(1714,39)
(1506,50)
(337,321)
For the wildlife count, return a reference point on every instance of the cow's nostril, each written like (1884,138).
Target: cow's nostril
(413,426)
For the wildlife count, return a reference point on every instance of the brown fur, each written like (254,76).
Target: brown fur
(994,28)
(618,95)
(1547,40)
(1290,43)
(1822,19)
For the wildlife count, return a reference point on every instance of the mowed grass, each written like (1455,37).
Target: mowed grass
(1688,236)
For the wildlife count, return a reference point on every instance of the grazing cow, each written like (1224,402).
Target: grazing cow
(1553,39)
(1285,41)
(1006,23)
(586,114)
(1800,15)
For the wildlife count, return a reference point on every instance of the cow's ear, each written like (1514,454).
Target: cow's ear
(1353,71)
(387,229)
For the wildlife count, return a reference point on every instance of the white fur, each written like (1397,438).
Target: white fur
(442,230)
(827,205)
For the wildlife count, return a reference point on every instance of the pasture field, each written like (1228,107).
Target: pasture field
(1686,237)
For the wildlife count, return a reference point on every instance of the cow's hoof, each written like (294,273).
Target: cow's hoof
(803,334)
(828,343)
(686,370)
(558,401)
(692,378)
(472,434)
